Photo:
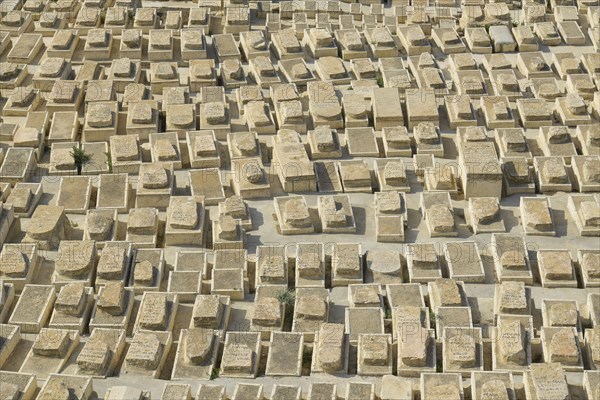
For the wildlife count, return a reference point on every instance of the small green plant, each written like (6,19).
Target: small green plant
(286,297)
(74,224)
(215,373)
(388,313)
(80,158)
(108,161)
(431,317)
(380,81)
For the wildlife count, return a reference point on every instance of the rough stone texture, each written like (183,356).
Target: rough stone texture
(155,177)
(100,225)
(591,264)
(197,346)
(13,264)
(311,307)
(131,37)
(181,115)
(94,357)
(549,381)
(375,350)
(486,210)
(207,311)
(52,343)
(144,273)
(462,351)
(9,391)
(513,259)
(389,202)
(75,259)
(296,213)
(441,218)
(154,312)
(145,351)
(238,358)
(512,343)
(97,38)
(228,228)
(446,392)
(55,389)
(414,348)
(557,265)
(373,102)
(267,312)
(447,292)
(554,171)
(164,150)
(71,299)
(204,146)
(538,215)
(183,213)
(333,215)
(394,173)
(513,297)
(563,314)
(235,206)
(331,347)
(112,298)
(125,148)
(215,113)
(494,390)
(591,170)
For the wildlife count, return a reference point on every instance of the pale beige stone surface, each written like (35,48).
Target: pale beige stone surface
(420,160)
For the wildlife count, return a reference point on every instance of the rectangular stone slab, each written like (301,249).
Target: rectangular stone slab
(33,308)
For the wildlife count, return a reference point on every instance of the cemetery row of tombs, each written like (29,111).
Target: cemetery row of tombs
(110,315)
(299,200)
(79,304)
